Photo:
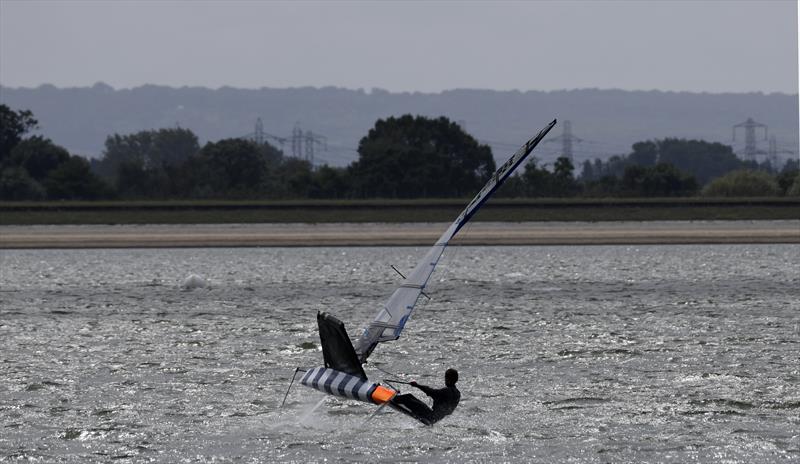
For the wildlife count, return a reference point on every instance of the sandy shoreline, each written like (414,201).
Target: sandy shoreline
(416,234)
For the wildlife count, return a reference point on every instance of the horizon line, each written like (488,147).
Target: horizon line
(379,90)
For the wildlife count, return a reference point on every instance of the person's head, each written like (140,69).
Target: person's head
(450,377)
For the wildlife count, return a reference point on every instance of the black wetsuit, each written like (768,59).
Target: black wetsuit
(445,401)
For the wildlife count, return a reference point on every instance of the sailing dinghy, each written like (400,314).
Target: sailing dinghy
(343,374)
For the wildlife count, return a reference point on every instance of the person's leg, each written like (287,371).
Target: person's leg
(414,406)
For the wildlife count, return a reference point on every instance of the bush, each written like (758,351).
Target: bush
(743,183)
(74,180)
(786,178)
(16,185)
(794,189)
(661,180)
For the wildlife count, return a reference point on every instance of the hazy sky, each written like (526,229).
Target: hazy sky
(714,46)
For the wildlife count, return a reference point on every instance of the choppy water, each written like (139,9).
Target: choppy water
(566,354)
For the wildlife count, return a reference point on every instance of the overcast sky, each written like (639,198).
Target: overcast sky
(713,46)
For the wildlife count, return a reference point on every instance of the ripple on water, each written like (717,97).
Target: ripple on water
(640,354)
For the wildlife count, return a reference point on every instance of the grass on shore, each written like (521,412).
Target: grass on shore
(427,210)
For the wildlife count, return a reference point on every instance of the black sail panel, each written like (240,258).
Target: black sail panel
(337,350)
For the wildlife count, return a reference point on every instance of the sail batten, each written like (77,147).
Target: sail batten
(396,312)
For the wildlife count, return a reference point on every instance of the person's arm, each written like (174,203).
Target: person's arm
(432,392)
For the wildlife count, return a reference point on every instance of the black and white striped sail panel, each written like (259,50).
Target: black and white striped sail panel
(390,320)
(343,385)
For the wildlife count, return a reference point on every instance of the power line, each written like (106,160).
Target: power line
(259,136)
(567,139)
(774,151)
(304,143)
(750,126)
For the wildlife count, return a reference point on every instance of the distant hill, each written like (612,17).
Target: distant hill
(608,121)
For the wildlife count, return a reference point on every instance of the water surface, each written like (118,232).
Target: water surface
(566,354)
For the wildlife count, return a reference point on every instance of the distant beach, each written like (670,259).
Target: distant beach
(403,234)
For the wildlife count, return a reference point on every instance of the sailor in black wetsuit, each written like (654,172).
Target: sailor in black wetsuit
(445,400)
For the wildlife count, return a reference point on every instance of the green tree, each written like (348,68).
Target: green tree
(514,187)
(701,159)
(605,186)
(633,179)
(661,180)
(330,182)
(13,125)
(153,149)
(743,183)
(564,184)
(230,167)
(38,156)
(598,169)
(704,160)
(587,171)
(538,180)
(644,154)
(614,166)
(133,181)
(298,178)
(16,185)
(410,157)
(236,168)
(794,189)
(37,168)
(786,178)
(74,180)
(154,157)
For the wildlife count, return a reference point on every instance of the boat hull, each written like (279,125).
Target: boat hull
(347,386)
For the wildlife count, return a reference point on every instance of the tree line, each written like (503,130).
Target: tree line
(35,168)
(400,157)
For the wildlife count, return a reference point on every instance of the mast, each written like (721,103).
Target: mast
(390,320)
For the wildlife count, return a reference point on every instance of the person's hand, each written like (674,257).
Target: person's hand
(413,383)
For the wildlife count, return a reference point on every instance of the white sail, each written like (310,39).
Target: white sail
(390,320)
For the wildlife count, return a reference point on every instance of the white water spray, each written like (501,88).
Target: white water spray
(311,411)
(193,281)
